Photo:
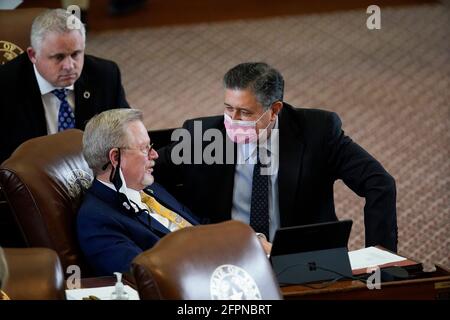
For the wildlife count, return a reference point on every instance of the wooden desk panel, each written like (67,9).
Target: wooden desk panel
(430,286)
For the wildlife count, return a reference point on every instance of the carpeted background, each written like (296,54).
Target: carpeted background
(389,86)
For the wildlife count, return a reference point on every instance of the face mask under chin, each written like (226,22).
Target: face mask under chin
(118,180)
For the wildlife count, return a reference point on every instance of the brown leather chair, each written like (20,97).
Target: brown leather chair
(34,274)
(43,182)
(15,27)
(217,261)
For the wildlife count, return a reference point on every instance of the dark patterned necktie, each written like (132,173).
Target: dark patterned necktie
(66,118)
(259,207)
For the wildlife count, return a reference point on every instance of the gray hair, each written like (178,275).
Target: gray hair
(105,131)
(266,83)
(52,21)
(3,269)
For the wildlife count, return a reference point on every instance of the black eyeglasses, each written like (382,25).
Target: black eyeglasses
(145,151)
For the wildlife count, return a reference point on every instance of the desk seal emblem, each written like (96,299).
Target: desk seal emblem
(442,285)
(78,181)
(8,51)
(230,282)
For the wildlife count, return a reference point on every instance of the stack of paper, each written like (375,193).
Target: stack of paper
(9,4)
(372,256)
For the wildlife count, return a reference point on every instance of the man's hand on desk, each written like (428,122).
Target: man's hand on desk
(266,244)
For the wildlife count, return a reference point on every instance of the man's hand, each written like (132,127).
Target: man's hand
(267,246)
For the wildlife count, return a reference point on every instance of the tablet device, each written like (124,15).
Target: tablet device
(311,253)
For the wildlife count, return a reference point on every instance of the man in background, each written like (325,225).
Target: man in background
(55,85)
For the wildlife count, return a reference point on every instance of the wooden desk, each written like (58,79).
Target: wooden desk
(429,286)
(106,281)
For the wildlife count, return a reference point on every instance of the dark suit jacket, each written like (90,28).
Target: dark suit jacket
(110,237)
(22,114)
(314,153)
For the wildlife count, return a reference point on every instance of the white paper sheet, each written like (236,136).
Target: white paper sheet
(9,4)
(103,293)
(370,257)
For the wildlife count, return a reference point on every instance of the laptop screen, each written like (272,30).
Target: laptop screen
(303,254)
(311,237)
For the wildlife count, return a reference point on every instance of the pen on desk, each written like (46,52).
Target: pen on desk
(91,297)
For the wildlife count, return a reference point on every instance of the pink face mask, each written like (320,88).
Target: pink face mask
(240,131)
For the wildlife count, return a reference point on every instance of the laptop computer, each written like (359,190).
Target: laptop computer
(311,253)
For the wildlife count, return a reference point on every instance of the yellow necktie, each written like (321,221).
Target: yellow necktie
(4,296)
(156,207)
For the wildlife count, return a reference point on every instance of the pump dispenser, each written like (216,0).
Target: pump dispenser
(119,292)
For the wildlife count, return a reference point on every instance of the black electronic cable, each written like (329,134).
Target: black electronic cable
(312,267)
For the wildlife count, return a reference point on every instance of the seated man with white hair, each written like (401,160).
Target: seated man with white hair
(124,212)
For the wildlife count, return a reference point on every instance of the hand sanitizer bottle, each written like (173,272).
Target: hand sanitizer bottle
(119,292)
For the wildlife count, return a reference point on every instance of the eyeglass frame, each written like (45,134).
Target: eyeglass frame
(146,153)
(148,146)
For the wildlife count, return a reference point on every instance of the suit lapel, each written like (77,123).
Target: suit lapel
(110,196)
(291,156)
(34,108)
(228,177)
(83,95)
(229,171)
(152,223)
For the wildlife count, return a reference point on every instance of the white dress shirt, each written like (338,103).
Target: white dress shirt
(135,198)
(51,102)
(243,178)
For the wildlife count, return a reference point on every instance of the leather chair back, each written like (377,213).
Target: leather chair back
(217,261)
(43,182)
(161,138)
(15,29)
(34,274)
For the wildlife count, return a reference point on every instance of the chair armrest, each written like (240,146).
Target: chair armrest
(34,274)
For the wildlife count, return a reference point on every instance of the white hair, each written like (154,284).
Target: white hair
(105,131)
(55,20)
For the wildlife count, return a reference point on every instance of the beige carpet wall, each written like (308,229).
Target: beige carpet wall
(390,87)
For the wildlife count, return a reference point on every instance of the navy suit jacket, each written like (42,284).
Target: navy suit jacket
(314,153)
(22,114)
(110,237)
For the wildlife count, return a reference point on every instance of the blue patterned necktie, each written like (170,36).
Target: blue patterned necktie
(259,206)
(66,118)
